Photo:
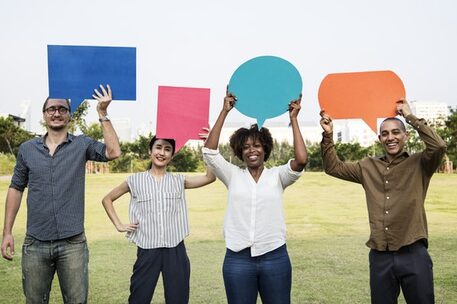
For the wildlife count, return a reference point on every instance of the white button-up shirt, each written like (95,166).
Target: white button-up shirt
(254,216)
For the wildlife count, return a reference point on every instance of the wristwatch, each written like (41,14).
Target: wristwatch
(104,118)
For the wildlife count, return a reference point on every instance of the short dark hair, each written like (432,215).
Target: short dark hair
(171,141)
(66,99)
(402,124)
(240,136)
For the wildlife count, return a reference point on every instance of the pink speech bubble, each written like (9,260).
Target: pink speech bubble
(182,113)
(366,95)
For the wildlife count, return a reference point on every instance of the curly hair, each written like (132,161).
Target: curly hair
(240,136)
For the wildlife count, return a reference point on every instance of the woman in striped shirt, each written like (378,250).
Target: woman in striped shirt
(158,224)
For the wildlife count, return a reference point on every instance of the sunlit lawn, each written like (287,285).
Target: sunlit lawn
(327,230)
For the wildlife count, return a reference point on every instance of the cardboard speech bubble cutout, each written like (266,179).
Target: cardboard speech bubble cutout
(75,71)
(182,113)
(366,95)
(264,86)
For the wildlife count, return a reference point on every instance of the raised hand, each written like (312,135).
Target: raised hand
(229,101)
(104,98)
(294,107)
(326,122)
(403,108)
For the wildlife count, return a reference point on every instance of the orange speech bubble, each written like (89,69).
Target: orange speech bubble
(365,95)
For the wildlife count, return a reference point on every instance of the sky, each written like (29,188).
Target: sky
(201,43)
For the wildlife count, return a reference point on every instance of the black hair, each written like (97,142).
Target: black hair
(402,125)
(66,99)
(171,141)
(240,136)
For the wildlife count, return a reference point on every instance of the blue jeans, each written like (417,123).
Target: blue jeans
(269,275)
(41,259)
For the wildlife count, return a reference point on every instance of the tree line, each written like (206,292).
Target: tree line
(135,156)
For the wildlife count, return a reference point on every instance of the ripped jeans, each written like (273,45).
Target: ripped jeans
(41,259)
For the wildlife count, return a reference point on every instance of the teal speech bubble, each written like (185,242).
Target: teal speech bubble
(264,86)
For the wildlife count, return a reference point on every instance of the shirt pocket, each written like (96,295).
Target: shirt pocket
(144,203)
(172,201)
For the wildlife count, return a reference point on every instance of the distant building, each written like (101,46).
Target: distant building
(26,113)
(123,127)
(19,121)
(280,131)
(356,130)
(353,130)
(432,112)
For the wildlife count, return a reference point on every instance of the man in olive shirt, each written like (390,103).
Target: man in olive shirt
(395,188)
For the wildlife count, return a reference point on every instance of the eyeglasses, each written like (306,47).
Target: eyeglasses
(52,110)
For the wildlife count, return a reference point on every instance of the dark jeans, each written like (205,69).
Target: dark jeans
(41,259)
(410,268)
(175,267)
(270,275)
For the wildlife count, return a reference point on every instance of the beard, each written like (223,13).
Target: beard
(57,128)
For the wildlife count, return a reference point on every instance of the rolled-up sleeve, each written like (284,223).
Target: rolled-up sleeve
(221,168)
(287,175)
(95,150)
(20,180)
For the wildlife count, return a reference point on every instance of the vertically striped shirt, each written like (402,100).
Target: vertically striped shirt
(159,207)
(55,200)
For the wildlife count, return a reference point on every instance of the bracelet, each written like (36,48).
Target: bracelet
(104,118)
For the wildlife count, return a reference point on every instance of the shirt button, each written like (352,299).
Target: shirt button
(387,212)
(388,168)
(387,228)
(387,181)
(388,197)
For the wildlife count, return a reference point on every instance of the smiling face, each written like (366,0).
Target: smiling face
(161,153)
(253,153)
(393,137)
(56,114)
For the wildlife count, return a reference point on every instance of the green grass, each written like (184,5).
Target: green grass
(327,230)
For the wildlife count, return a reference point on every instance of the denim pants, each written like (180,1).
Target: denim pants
(174,265)
(41,259)
(269,275)
(410,268)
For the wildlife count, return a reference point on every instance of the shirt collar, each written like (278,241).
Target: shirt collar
(42,139)
(397,158)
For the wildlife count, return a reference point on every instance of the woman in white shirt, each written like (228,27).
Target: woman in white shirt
(256,260)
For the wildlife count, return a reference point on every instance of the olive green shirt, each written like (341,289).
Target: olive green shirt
(395,191)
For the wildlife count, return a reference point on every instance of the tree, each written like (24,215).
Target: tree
(449,135)
(184,161)
(122,163)
(414,143)
(11,136)
(314,157)
(140,147)
(94,131)
(78,118)
(351,151)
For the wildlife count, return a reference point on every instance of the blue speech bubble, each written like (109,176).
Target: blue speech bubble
(264,86)
(75,71)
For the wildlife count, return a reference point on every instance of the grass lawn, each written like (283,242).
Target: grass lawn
(327,229)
